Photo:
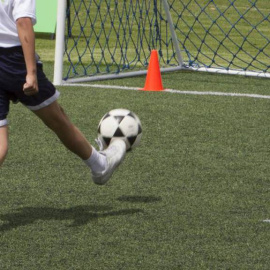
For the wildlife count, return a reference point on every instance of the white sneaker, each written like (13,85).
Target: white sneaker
(115,154)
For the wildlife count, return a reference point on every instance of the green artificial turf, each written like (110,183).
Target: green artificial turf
(194,195)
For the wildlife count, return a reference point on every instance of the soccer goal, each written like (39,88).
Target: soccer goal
(105,39)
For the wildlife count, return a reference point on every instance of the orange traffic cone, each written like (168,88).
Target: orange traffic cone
(153,78)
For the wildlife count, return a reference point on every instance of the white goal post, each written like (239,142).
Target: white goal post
(98,40)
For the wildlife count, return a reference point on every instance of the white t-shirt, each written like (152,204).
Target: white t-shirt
(10,11)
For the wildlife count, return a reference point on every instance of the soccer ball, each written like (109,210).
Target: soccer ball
(122,124)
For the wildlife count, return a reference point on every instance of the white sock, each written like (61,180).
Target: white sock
(97,162)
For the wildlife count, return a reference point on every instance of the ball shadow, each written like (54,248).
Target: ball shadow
(139,199)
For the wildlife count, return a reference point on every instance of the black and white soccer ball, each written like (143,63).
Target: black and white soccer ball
(120,124)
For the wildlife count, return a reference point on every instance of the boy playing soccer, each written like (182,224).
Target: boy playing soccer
(22,79)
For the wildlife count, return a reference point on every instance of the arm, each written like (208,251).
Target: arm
(27,39)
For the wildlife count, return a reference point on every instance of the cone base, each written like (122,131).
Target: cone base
(151,89)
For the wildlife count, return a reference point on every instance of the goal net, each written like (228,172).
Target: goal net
(101,39)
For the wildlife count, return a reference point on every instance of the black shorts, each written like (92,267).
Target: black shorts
(12,79)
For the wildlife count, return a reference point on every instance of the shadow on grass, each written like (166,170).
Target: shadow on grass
(80,215)
(139,199)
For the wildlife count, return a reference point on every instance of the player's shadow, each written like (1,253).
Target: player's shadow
(79,215)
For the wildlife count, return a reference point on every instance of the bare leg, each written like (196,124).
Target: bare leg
(3,143)
(55,118)
(102,164)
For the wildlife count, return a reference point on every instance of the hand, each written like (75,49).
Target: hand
(30,87)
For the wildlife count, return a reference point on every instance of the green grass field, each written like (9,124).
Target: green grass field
(194,195)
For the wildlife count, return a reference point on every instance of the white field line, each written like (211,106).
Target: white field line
(171,91)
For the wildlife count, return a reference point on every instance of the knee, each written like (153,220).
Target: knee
(3,153)
(57,120)
(3,143)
